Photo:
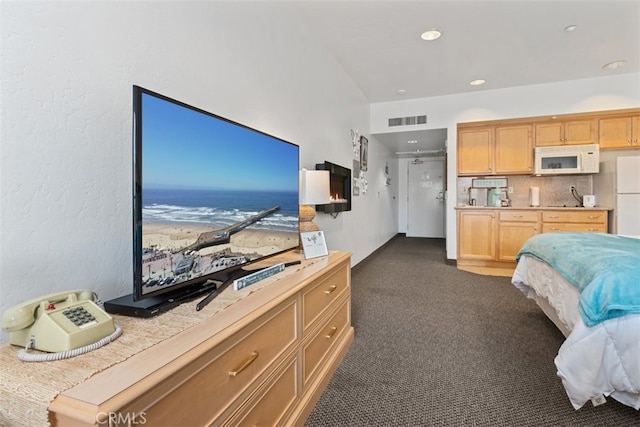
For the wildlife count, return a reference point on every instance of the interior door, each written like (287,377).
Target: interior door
(425,198)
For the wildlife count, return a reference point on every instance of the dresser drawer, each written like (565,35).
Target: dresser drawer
(518,216)
(272,404)
(222,374)
(317,297)
(326,339)
(575,216)
(573,227)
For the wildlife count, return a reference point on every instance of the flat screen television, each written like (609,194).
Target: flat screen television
(209,196)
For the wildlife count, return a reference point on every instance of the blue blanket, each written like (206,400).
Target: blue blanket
(605,268)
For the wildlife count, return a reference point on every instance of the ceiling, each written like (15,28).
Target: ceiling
(508,43)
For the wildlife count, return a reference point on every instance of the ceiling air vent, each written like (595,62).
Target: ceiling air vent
(405,121)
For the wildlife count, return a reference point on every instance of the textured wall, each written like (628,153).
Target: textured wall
(67,71)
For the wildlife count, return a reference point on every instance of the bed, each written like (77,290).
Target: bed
(588,284)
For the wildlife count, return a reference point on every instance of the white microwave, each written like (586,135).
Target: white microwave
(567,159)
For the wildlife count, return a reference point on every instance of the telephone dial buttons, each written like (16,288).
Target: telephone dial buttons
(79,316)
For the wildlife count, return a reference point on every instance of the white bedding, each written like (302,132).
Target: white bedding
(604,359)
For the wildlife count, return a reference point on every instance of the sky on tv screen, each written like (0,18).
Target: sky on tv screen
(186,149)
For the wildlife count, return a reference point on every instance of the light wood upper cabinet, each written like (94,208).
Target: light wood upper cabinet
(505,147)
(573,132)
(619,132)
(513,149)
(495,150)
(475,151)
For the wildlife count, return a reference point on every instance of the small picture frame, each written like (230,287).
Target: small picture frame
(313,244)
(364,153)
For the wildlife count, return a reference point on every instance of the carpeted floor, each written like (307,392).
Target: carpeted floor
(435,346)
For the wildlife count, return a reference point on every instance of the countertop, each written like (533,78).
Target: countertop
(536,208)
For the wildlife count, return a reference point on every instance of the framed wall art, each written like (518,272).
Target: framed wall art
(356,178)
(364,153)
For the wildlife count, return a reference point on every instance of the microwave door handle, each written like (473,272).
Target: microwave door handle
(580,161)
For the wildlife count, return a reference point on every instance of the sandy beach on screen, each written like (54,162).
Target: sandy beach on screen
(174,236)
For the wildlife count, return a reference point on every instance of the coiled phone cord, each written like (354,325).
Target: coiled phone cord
(25,356)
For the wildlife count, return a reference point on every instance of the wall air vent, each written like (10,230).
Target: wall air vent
(406,121)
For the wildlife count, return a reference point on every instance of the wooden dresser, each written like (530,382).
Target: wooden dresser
(265,360)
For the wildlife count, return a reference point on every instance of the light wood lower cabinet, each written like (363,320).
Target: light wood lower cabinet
(493,237)
(572,221)
(514,228)
(265,360)
(477,235)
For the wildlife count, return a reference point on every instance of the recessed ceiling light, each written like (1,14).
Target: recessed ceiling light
(401,91)
(432,34)
(613,65)
(412,141)
(477,82)
(570,28)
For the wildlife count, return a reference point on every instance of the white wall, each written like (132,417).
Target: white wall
(67,71)
(603,93)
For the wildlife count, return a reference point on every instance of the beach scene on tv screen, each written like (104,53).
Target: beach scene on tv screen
(214,194)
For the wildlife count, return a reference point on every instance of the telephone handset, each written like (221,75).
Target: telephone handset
(66,324)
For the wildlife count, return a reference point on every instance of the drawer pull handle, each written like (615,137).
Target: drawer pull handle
(554,216)
(593,217)
(331,333)
(245,365)
(331,289)
(517,216)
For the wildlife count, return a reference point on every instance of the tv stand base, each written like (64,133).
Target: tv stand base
(153,306)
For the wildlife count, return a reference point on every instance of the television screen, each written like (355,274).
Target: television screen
(210,195)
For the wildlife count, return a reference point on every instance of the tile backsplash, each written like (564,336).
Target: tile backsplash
(554,190)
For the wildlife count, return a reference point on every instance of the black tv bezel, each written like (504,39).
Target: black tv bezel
(198,286)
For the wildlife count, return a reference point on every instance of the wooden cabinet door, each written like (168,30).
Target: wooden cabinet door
(475,151)
(549,133)
(514,149)
(511,237)
(477,235)
(573,132)
(615,132)
(581,132)
(635,131)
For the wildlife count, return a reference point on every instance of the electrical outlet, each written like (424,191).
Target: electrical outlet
(510,190)
(572,188)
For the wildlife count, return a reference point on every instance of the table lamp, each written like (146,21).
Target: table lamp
(314,190)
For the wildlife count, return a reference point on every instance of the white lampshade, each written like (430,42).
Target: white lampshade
(314,187)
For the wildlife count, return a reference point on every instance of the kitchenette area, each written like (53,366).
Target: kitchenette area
(521,177)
